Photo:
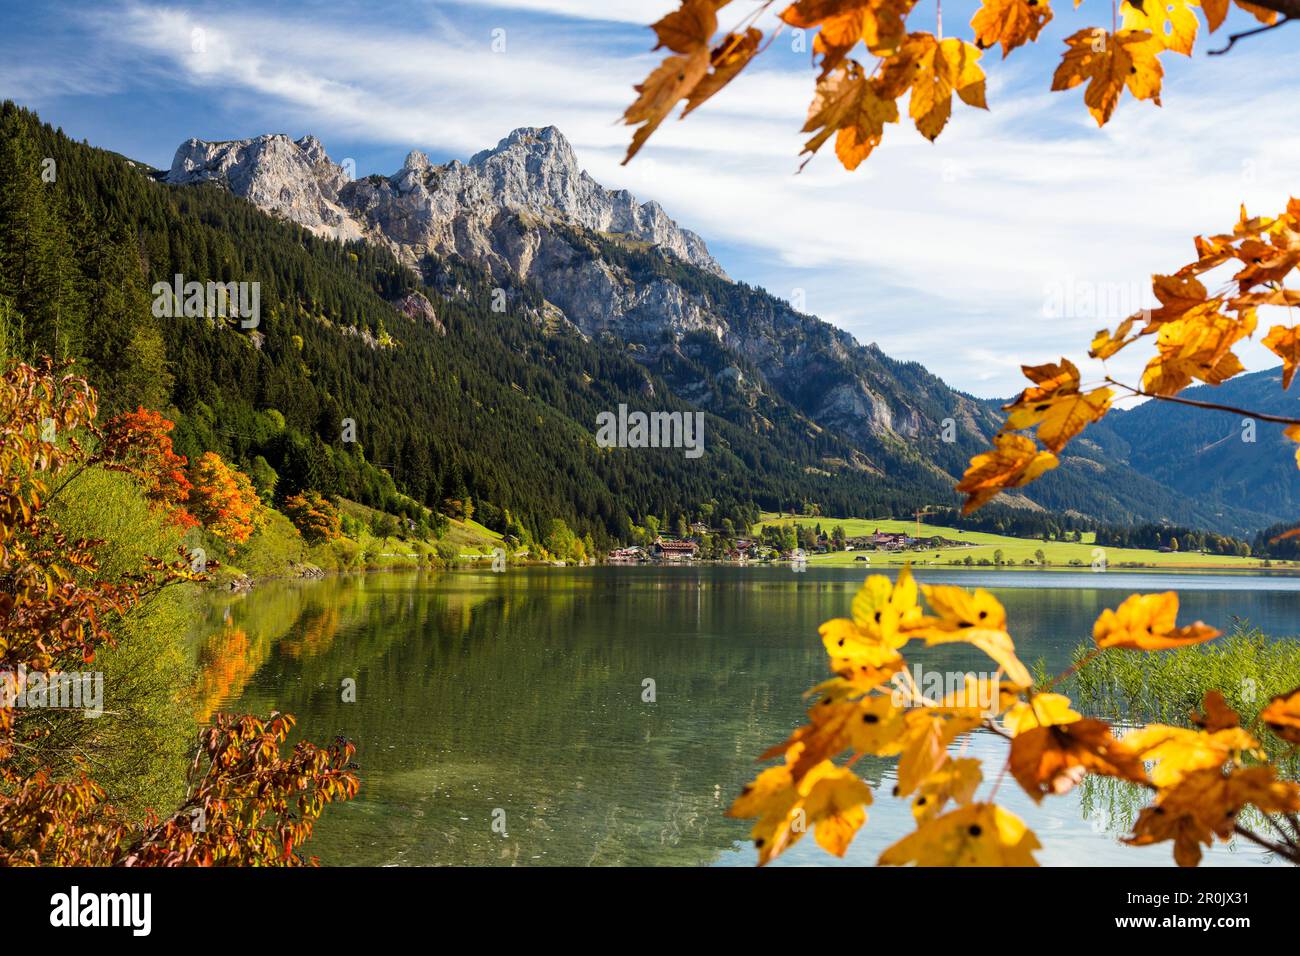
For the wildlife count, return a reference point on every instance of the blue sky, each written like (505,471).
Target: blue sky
(1011,239)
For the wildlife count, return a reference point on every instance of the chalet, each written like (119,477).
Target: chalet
(666,550)
(700,528)
(626,555)
(889,541)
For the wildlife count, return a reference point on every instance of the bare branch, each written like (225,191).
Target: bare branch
(1214,405)
(1232,40)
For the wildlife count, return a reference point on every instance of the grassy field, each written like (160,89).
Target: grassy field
(981,544)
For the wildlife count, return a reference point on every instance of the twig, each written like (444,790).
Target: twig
(1279,419)
(1232,40)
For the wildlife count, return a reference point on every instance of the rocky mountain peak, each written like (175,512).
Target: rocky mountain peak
(425,208)
(295,180)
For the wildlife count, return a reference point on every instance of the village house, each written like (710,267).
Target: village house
(668,550)
(890,541)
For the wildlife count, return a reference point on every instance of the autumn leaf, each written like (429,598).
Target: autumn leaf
(1043,711)
(980,834)
(1283,342)
(933,70)
(923,745)
(849,106)
(883,611)
(1178,751)
(977,619)
(879,24)
(1055,404)
(1055,758)
(1282,716)
(1106,343)
(828,798)
(1181,297)
(956,780)
(1215,714)
(1147,622)
(1009,22)
(693,73)
(1262,14)
(867,725)
(1216,11)
(728,58)
(1014,461)
(1205,804)
(1172,22)
(688,28)
(672,80)
(1109,63)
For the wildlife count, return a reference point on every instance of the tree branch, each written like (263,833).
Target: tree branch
(1214,405)
(1232,40)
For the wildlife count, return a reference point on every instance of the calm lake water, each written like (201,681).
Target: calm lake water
(522,692)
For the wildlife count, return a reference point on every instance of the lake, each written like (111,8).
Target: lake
(518,697)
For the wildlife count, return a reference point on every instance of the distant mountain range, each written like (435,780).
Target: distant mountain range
(521,240)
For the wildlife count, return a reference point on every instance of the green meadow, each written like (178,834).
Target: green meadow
(984,545)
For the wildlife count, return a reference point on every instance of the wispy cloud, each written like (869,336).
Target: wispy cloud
(944,253)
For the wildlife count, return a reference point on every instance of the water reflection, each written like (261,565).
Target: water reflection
(522,693)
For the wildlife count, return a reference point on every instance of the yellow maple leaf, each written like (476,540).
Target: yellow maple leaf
(878,24)
(1148,622)
(923,745)
(1013,462)
(1106,343)
(1009,22)
(1282,716)
(1172,22)
(956,780)
(827,798)
(975,618)
(1178,751)
(1109,62)
(1045,710)
(1056,405)
(941,68)
(1284,342)
(883,611)
(979,834)
(849,105)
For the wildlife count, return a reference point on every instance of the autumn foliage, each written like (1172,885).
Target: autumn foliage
(314,516)
(1201,777)
(224,499)
(246,802)
(867,59)
(138,443)
(1191,334)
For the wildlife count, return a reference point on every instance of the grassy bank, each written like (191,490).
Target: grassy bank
(984,546)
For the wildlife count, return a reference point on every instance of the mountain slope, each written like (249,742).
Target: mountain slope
(473,319)
(623,274)
(453,398)
(1211,455)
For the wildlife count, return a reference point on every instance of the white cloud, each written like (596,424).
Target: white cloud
(942,253)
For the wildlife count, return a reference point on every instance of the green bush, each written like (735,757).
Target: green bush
(140,746)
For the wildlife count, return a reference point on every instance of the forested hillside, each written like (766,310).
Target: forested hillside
(493,408)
